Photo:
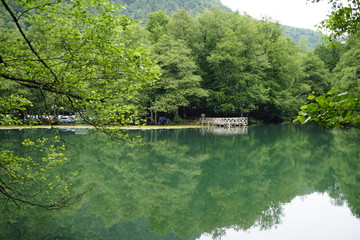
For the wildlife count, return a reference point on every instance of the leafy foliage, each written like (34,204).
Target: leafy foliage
(330,53)
(316,76)
(344,18)
(12,105)
(337,109)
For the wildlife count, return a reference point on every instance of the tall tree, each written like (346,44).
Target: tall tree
(184,27)
(316,74)
(179,82)
(157,25)
(330,53)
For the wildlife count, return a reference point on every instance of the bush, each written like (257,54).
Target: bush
(177,119)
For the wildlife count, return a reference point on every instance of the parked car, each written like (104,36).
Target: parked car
(66,119)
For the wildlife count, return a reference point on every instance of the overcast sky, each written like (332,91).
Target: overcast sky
(295,13)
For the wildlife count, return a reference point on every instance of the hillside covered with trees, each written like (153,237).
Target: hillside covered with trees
(307,37)
(139,9)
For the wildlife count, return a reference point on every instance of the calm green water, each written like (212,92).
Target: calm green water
(274,182)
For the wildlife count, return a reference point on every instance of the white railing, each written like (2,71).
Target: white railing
(225,121)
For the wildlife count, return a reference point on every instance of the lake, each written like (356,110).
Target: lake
(261,182)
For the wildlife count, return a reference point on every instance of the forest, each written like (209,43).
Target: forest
(88,57)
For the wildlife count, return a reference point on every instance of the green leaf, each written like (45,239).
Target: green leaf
(311,97)
(331,92)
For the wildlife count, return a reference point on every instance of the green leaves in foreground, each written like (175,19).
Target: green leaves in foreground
(336,109)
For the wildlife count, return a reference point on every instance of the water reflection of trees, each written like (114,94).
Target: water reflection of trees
(190,183)
(30,172)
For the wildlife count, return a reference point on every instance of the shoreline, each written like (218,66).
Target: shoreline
(131,127)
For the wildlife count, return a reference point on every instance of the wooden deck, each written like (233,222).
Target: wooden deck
(225,121)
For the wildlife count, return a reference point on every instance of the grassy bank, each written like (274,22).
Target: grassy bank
(131,127)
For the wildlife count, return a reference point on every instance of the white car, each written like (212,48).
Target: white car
(66,119)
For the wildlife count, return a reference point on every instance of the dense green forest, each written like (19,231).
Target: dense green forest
(178,65)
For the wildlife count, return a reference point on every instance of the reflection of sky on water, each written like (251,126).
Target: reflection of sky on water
(310,217)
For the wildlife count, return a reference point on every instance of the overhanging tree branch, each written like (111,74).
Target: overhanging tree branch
(15,19)
(37,85)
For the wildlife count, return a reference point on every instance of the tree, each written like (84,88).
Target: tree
(283,78)
(157,25)
(179,82)
(344,18)
(330,53)
(316,74)
(183,26)
(303,44)
(74,53)
(340,106)
(27,175)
